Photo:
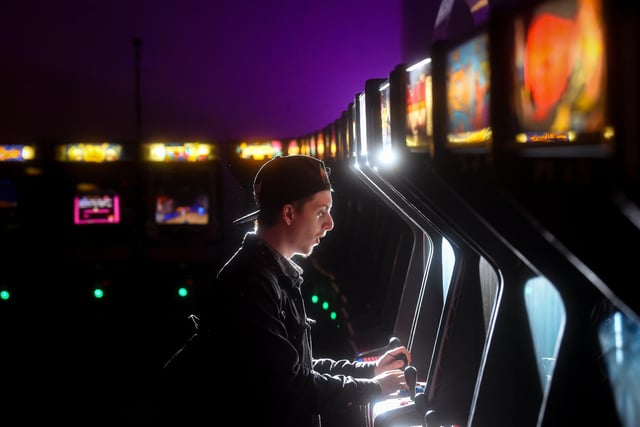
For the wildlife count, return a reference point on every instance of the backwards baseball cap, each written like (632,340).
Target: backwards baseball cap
(283,180)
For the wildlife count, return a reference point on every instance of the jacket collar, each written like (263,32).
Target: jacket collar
(287,267)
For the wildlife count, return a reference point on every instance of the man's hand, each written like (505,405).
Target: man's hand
(391,381)
(397,358)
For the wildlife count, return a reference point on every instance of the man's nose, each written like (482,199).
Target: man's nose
(329,224)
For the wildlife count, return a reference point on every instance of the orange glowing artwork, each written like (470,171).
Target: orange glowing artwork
(549,60)
(561,66)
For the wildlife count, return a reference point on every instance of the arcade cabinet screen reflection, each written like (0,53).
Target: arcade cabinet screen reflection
(468,92)
(560,70)
(96,209)
(182,206)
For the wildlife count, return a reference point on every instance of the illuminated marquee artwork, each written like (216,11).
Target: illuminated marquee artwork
(259,150)
(468,92)
(178,152)
(89,152)
(560,71)
(385,116)
(16,153)
(293,147)
(420,106)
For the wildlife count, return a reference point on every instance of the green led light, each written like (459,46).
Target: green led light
(325,305)
(314,299)
(98,293)
(5,295)
(333,315)
(183,292)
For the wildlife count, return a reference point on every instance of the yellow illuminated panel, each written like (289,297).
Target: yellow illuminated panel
(304,149)
(293,147)
(17,153)
(333,144)
(178,152)
(320,145)
(89,152)
(261,150)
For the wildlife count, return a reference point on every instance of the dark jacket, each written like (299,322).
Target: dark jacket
(255,306)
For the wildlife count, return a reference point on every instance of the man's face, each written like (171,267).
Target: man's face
(311,223)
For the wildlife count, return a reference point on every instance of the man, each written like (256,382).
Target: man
(255,308)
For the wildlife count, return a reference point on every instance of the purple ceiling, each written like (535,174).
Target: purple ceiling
(208,69)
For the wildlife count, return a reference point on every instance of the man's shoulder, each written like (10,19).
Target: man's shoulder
(246,262)
(252,258)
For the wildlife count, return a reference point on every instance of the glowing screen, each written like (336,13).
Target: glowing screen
(560,71)
(420,106)
(467,77)
(385,116)
(96,209)
(182,205)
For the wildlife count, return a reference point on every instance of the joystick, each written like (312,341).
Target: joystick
(393,343)
(411,377)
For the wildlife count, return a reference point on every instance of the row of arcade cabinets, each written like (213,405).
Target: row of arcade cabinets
(85,204)
(505,167)
(104,245)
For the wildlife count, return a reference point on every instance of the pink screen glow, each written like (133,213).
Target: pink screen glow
(96,209)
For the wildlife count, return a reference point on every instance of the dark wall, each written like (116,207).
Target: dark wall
(418,20)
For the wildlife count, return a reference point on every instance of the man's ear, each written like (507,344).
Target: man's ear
(288,213)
